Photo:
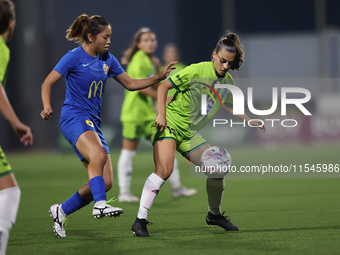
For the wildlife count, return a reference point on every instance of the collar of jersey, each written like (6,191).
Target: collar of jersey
(93,59)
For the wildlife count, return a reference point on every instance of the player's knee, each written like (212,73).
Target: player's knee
(99,157)
(164,172)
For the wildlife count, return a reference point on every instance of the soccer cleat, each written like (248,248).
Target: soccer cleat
(222,221)
(127,197)
(183,192)
(106,209)
(139,227)
(59,220)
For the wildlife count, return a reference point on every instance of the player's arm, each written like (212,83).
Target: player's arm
(23,131)
(229,108)
(149,92)
(162,93)
(46,87)
(138,84)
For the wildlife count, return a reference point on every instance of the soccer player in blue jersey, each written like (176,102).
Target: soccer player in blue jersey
(9,189)
(86,69)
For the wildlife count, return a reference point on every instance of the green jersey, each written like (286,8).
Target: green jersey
(190,84)
(4,59)
(179,66)
(138,107)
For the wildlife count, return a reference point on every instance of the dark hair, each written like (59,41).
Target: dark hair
(7,14)
(230,42)
(128,54)
(85,25)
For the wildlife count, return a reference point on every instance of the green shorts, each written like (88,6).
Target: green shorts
(5,167)
(187,140)
(135,131)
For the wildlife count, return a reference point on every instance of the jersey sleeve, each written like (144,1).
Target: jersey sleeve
(115,67)
(181,80)
(66,63)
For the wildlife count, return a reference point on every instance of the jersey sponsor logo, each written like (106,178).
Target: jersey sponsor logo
(171,130)
(106,68)
(96,85)
(85,64)
(90,123)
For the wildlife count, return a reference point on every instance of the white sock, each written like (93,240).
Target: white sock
(150,191)
(9,204)
(174,178)
(215,190)
(124,170)
(4,234)
(99,203)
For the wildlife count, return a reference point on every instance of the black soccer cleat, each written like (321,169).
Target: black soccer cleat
(222,221)
(139,227)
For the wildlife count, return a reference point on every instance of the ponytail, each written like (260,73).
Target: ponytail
(85,25)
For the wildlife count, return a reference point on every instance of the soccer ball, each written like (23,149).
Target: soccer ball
(215,162)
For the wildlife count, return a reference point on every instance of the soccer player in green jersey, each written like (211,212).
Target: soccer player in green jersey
(138,113)
(177,124)
(171,53)
(9,189)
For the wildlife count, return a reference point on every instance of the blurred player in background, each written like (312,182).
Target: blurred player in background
(86,69)
(9,189)
(171,53)
(138,113)
(173,128)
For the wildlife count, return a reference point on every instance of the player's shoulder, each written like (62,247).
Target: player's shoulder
(228,79)
(139,56)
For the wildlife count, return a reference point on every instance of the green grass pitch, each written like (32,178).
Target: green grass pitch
(275,215)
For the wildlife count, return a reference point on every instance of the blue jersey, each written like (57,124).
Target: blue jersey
(85,80)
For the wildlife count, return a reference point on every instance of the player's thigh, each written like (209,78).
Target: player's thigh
(8,181)
(90,146)
(164,156)
(130,145)
(193,148)
(195,156)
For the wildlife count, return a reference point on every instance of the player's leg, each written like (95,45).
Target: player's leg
(131,133)
(9,201)
(215,189)
(177,189)
(164,154)
(90,146)
(124,170)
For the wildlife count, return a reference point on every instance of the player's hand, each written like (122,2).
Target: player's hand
(168,99)
(260,124)
(160,122)
(165,72)
(24,132)
(46,113)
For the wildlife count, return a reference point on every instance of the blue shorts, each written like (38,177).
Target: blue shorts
(73,126)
